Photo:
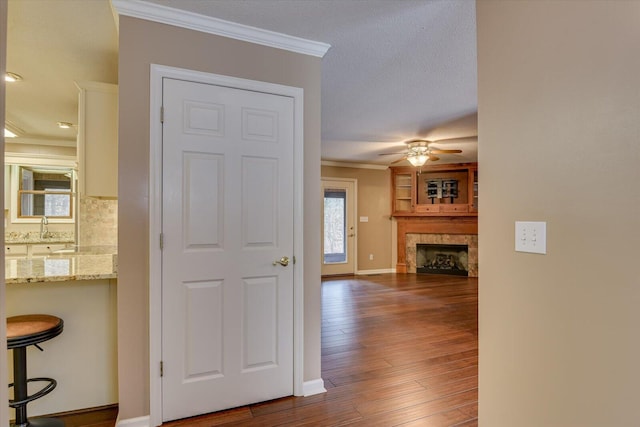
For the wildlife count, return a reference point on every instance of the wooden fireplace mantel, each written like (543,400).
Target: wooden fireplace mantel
(430,225)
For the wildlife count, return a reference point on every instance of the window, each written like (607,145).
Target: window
(42,191)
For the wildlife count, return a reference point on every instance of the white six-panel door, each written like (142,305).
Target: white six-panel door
(227,216)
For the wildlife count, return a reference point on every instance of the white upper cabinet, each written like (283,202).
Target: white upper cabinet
(98,139)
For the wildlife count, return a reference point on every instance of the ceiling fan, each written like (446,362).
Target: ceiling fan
(419,151)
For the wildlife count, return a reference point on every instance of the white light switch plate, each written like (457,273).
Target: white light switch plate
(364,219)
(531,237)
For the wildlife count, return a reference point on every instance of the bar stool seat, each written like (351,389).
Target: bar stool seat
(23,331)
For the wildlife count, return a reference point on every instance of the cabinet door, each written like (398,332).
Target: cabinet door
(47,249)
(98,139)
(403,194)
(7,187)
(15,250)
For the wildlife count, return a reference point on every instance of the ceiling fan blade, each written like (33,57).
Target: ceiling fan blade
(433,158)
(398,161)
(436,151)
(392,154)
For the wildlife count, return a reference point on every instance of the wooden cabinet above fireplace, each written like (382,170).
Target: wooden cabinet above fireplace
(440,190)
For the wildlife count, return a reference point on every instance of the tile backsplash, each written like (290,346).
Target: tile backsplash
(98,222)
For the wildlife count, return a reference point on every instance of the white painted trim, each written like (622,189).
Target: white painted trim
(97,87)
(353,165)
(314,387)
(28,140)
(157,73)
(298,241)
(207,24)
(135,422)
(155,254)
(379,271)
(37,159)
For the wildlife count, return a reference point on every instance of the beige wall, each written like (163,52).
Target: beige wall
(4,393)
(143,43)
(83,359)
(374,237)
(559,141)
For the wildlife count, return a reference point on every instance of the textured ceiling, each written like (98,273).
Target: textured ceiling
(397,69)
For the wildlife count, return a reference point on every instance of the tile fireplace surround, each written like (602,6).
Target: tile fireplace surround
(442,230)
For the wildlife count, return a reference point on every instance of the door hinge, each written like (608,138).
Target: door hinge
(161,241)
(162,114)
(161,368)
(294,259)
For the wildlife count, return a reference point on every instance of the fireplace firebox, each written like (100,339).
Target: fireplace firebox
(442,259)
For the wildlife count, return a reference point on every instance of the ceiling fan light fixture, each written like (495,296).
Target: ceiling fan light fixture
(418,159)
(418,153)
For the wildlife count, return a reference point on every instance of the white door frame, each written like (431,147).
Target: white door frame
(353,181)
(157,73)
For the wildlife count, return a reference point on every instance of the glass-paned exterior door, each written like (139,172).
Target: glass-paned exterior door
(335,226)
(339,243)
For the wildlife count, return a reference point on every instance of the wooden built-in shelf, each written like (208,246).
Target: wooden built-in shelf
(440,190)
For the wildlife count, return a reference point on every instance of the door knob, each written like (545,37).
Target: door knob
(284,261)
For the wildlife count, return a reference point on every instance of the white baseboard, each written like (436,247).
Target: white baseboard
(135,422)
(309,388)
(381,271)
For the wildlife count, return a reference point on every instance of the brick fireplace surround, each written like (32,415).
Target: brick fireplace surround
(436,230)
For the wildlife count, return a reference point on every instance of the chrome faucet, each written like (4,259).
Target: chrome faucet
(44,230)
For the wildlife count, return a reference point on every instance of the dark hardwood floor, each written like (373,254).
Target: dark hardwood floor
(397,349)
(104,416)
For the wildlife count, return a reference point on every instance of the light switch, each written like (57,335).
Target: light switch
(531,237)
(364,219)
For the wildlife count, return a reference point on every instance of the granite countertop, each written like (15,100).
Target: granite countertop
(34,238)
(61,267)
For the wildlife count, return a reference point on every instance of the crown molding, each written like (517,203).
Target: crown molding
(353,165)
(206,24)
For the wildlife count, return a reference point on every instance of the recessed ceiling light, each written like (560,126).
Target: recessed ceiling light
(65,125)
(11,130)
(12,77)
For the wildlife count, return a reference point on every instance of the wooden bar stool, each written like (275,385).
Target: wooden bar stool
(23,331)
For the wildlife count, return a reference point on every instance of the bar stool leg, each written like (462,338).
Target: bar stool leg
(20,384)
(22,332)
(20,392)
